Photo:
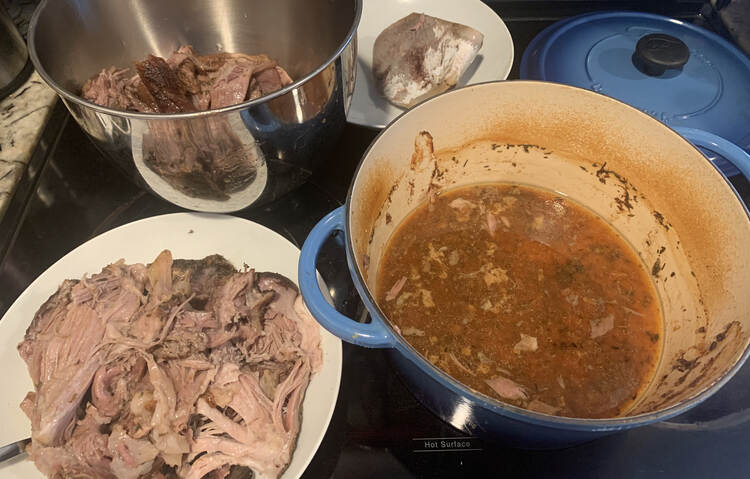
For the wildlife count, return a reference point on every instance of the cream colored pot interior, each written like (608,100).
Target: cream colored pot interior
(673,207)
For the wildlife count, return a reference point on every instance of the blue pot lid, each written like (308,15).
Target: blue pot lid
(711,91)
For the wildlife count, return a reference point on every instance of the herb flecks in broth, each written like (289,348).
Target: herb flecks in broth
(526,297)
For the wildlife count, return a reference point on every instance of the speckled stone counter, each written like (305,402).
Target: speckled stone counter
(23,115)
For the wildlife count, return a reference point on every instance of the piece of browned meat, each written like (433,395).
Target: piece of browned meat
(201,277)
(169,92)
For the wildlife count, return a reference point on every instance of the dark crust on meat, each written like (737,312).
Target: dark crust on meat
(61,296)
(164,85)
(277,278)
(222,267)
(201,277)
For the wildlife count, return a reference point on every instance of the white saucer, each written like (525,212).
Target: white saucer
(493,62)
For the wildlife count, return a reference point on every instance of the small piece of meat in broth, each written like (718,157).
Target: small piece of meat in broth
(461,204)
(491,223)
(453,258)
(505,221)
(420,56)
(395,289)
(600,327)
(463,208)
(412,331)
(527,343)
(427,300)
(507,388)
(495,276)
(460,365)
(542,407)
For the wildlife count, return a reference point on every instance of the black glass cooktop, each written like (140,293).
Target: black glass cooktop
(70,194)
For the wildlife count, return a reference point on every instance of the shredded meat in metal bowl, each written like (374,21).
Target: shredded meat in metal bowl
(181,368)
(201,157)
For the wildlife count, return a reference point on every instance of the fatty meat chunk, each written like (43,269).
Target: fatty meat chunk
(421,56)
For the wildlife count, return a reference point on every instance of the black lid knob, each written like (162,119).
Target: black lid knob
(657,52)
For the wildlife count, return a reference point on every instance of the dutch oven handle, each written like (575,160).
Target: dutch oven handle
(733,153)
(371,335)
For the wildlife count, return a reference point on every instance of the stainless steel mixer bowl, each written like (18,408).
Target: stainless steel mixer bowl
(284,135)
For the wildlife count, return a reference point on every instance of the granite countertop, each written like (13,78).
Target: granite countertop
(23,115)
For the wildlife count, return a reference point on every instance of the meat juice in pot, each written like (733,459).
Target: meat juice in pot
(525,296)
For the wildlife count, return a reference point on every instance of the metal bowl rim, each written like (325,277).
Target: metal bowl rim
(65,94)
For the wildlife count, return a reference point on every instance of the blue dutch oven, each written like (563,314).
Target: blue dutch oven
(687,217)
